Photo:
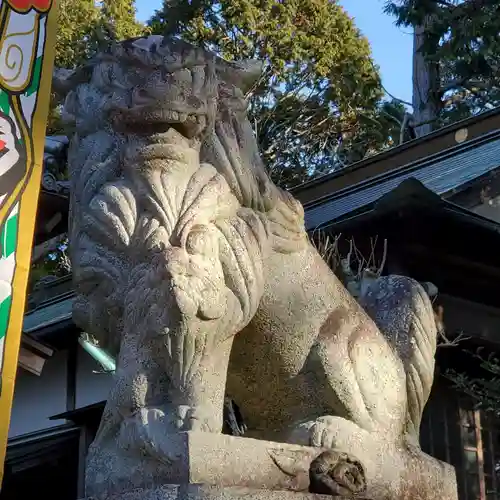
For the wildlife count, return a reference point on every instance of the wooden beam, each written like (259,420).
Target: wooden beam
(71,367)
(37,346)
(33,354)
(85,441)
(30,361)
(52,223)
(451,260)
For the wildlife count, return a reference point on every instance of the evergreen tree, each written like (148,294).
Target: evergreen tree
(319,77)
(83,24)
(76,23)
(456,57)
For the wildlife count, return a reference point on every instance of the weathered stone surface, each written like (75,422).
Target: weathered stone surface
(195,270)
(400,308)
(201,457)
(235,462)
(204,492)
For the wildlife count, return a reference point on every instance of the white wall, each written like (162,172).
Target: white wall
(489,209)
(38,398)
(90,387)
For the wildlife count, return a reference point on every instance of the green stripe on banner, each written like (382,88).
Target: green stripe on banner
(8,237)
(4,102)
(35,79)
(4,316)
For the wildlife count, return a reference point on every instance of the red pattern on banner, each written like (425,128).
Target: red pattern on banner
(27,5)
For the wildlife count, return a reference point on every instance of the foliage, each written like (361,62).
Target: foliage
(461,37)
(76,22)
(84,24)
(483,390)
(55,124)
(54,263)
(119,16)
(319,76)
(383,129)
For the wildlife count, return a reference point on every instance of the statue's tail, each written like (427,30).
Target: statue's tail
(403,312)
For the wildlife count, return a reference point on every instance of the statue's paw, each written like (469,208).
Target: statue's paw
(335,432)
(148,428)
(329,432)
(181,418)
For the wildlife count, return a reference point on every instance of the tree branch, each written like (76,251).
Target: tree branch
(404,125)
(464,83)
(393,97)
(397,99)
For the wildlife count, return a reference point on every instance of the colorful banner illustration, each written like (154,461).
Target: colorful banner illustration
(27,43)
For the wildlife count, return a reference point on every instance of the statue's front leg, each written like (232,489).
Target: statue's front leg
(181,314)
(180,320)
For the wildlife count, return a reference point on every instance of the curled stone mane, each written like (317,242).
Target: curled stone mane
(233,150)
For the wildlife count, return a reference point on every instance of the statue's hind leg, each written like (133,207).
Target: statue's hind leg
(386,442)
(363,376)
(339,382)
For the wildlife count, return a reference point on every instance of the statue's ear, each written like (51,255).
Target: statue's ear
(242,74)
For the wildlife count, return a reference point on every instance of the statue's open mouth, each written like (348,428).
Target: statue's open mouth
(189,125)
(155,120)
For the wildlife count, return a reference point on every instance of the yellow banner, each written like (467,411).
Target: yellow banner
(27,40)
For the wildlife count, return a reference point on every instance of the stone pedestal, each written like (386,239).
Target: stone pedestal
(205,492)
(204,466)
(201,458)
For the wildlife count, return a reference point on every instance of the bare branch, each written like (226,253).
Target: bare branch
(397,99)
(384,258)
(393,97)
(445,342)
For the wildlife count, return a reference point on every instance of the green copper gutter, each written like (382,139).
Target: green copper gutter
(107,362)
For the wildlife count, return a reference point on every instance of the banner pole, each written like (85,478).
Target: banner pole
(27,48)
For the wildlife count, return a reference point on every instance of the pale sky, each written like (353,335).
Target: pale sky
(391,46)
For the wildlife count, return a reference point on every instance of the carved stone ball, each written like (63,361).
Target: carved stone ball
(336,474)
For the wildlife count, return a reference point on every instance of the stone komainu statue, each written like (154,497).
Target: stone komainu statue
(196,271)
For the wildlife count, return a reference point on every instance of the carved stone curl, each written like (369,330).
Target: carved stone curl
(191,266)
(336,474)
